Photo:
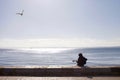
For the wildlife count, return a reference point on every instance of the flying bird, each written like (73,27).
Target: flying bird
(20,13)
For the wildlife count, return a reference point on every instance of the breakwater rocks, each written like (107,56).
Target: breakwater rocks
(60,71)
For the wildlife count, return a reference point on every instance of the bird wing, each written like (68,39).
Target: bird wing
(18,13)
(22,11)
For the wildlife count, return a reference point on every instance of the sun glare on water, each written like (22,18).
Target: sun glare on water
(43,50)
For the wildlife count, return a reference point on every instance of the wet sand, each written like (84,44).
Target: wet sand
(58,78)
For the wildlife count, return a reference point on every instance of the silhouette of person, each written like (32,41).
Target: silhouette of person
(81,60)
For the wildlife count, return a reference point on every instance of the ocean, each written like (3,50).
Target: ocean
(103,56)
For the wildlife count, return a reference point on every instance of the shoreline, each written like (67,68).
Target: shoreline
(55,66)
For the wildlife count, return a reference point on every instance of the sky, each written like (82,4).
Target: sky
(59,23)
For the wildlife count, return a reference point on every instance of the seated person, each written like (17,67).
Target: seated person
(81,60)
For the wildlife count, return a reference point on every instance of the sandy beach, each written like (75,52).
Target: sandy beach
(59,71)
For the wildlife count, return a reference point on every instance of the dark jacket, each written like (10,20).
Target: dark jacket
(81,61)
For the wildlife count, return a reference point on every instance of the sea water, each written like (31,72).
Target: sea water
(108,56)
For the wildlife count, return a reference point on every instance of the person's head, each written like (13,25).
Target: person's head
(80,54)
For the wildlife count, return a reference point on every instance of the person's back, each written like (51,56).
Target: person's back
(81,60)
